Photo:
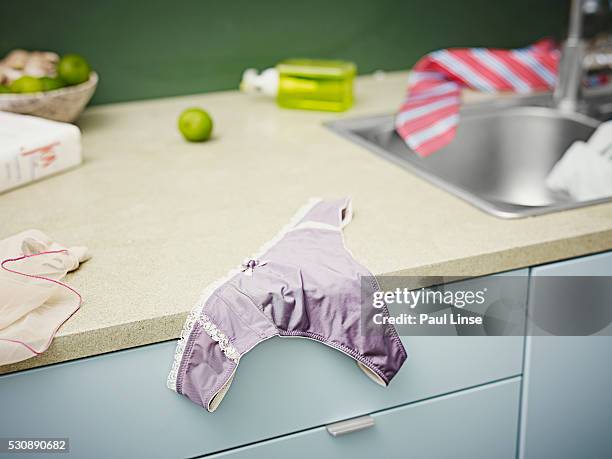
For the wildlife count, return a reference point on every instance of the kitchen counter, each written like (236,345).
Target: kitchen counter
(163,217)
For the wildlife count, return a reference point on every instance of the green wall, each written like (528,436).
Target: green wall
(150,48)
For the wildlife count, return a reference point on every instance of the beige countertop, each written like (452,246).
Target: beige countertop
(163,217)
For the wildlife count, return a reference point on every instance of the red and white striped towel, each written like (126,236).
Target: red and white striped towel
(428,118)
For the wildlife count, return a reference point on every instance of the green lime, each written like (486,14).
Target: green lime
(195,124)
(4,89)
(26,84)
(49,84)
(73,69)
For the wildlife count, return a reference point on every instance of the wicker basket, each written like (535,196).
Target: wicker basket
(64,104)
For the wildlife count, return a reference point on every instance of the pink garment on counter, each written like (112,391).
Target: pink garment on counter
(428,118)
(33,301)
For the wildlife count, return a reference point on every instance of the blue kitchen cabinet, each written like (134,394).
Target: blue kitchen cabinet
(471,424)
(567,382)
(117,405)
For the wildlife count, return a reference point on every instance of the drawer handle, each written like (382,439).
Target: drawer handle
(350,425)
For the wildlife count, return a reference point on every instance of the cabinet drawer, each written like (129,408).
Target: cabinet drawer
(476,423)
(282,386)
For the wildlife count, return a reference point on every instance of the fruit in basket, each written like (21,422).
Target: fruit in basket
(73,69)
(49,84)
(30,84)
(195,124)
(19,63)
(26,84)
(53,72)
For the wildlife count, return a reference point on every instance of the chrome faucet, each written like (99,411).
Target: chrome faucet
(567,95)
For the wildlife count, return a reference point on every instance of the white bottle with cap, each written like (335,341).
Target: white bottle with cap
(265,82)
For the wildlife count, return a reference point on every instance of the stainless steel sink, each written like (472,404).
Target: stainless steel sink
(499,158)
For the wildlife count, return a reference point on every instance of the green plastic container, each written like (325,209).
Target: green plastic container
(316,84)
(307,84)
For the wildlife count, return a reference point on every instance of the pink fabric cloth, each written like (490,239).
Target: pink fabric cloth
(428,118)
(34,303)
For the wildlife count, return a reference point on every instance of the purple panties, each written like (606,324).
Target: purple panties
(303,283)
